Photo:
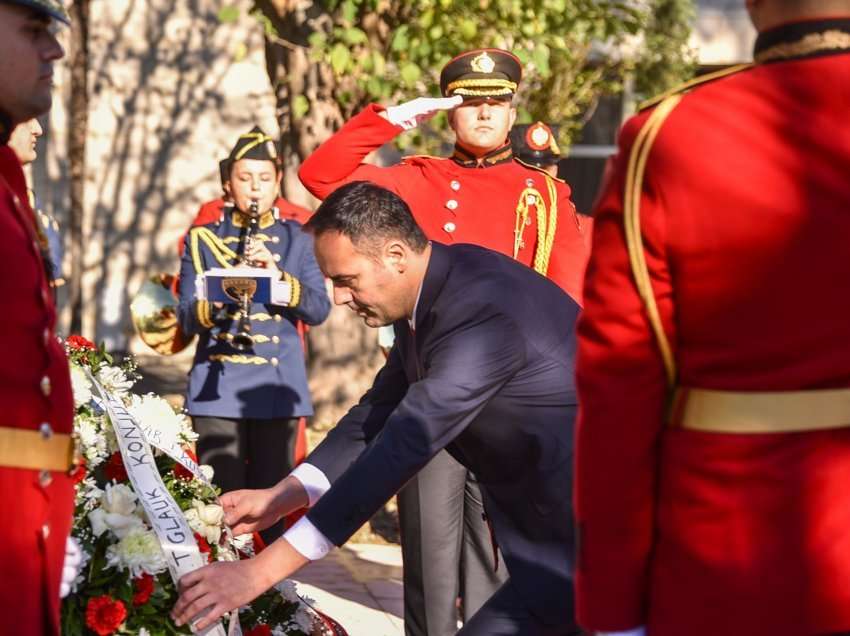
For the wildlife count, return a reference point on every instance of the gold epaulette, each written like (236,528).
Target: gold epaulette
(406,157)
(538,169)
(693,83)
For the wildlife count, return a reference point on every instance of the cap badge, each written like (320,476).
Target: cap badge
(538,137)
(483,63)
(271,149)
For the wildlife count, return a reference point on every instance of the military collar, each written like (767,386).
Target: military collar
(5,128)
(798,40)
(502,154)
(267,219)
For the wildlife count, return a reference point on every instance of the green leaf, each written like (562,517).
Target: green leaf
(300,106)
(400,39)
(340,57)
(316,39)
(228,14)
(468,29)
(354,36)
(349,11)
(410,74)
(540,56)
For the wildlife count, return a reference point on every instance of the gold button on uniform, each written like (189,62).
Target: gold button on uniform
(449,227)
(46,385)
(275,339)
(276,258)
(274,362)
(275,239)
(44,480)
(277,318)
(455,185)
(45,529)
(451,204)
(46,430)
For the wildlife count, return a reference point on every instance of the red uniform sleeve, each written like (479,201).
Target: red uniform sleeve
(339,160)
(622,393)
(570,250)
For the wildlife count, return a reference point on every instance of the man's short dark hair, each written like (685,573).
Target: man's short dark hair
(367,214)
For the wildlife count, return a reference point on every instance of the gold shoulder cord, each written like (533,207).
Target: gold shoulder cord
(219,250)
(546,227)
(638,158)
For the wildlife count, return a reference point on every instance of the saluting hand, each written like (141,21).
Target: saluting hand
(410,114)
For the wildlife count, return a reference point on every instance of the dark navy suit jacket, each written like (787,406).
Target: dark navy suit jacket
(487,375)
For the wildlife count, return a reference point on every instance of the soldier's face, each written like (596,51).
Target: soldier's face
(28,49)
(482,125)
(253,180)
(23,140)
(371,285)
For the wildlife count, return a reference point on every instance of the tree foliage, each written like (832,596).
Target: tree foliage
(573,51)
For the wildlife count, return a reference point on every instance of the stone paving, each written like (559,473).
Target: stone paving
(360,587)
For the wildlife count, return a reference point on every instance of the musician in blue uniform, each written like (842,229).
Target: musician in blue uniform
(245,404)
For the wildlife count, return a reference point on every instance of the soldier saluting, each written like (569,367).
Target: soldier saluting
(480,195)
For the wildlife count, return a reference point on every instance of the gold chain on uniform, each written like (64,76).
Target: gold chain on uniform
(832,40)
(546,226)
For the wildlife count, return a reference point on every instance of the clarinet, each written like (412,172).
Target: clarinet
(242,339)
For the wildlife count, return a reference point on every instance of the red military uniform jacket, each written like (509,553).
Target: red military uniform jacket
(35,393)
(745,221)
(457,200)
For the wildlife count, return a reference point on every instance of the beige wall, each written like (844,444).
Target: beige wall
(171,88)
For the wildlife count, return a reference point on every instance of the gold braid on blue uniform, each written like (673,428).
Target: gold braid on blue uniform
(295,286)
(203,313)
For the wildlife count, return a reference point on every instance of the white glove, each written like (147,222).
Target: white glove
(200,287)
(71,567)
(637,631)
(281,293)
(410,114)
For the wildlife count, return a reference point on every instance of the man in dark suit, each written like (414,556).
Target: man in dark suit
(482,366)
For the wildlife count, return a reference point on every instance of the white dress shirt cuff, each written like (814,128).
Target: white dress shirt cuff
(315,482)
(637,631)
(307,540)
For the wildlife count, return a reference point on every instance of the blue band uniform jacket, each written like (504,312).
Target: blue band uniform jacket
(269,381)
(488,376)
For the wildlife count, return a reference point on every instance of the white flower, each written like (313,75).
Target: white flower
(85,557)
(81,386)
(117,512)
(144,632)
(206,520)
(304,619)
(92,442)
(288,591)
(119,499)
(139,552)
(157,419)
(114,380)
(121,525)
(207,471)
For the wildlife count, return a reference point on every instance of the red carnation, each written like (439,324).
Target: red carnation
(79,472)
(203,544)
(78,343)
(142,589)
(115,468)
(181,471)
(104,615)
(259,630)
